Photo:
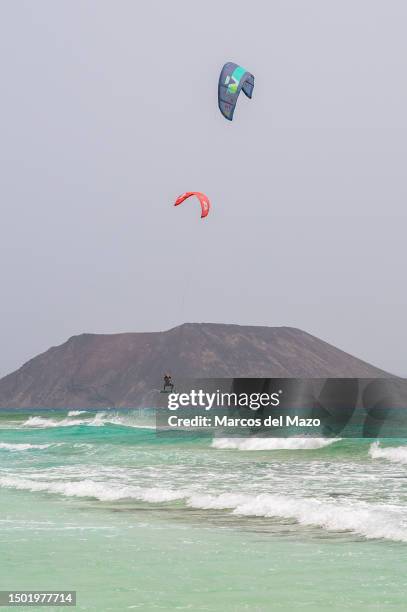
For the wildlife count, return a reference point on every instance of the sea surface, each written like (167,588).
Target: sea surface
(97,502)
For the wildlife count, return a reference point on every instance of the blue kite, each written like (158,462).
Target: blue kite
(232,80)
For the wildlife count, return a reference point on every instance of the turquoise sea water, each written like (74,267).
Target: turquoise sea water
(97,503)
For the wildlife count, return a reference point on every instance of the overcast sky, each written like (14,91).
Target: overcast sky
(109,111)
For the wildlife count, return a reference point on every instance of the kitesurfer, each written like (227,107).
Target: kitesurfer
(168,382)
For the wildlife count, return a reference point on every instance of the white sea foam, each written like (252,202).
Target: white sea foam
(102,491)
(253,444)
(24,447)
(397,454)
(36,421)
(125,420)
(43,422)
(98,420)
(72,413)
(373,521)
(369,520)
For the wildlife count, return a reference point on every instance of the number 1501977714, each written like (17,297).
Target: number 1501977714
(38,598)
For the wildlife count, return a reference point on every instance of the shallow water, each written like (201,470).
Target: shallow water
(95,501)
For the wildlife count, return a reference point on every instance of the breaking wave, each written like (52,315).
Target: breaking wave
(94,489)
(369,520)
(372,521)
(253,444)
(397,454)
(38,421)
(98,420)
(23,447)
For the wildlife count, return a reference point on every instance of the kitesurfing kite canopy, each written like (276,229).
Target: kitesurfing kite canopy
(203,200)
(232,80)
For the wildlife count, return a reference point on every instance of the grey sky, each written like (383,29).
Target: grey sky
(109,111)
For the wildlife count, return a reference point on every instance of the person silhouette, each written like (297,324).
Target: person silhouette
(168,382)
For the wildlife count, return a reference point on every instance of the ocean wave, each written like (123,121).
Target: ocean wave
(124,420)
(368,520)
(372,521)
(397,454)
(72,413)
(43,422)
(90,488)
(98,420)
(253,444)
(23,447)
